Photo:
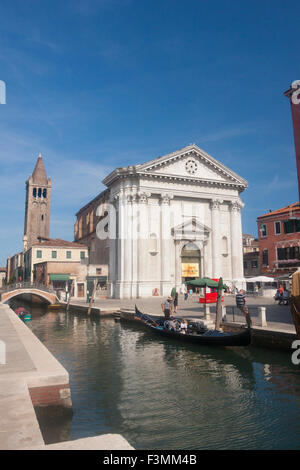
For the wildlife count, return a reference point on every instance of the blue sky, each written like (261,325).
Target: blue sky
(97,84)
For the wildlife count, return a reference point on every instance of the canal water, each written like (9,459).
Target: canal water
(160,394)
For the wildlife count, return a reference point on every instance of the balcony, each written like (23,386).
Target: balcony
(287,263)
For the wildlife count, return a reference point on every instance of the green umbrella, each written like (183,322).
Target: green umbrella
(205,282)
(202,282)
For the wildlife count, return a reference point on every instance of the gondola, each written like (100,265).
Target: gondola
(54,307)
(23,314)
(195,334)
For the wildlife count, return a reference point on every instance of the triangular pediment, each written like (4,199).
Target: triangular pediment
(191,163)
(190,229)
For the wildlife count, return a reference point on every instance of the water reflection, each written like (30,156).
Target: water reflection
(55,423)
(160,394)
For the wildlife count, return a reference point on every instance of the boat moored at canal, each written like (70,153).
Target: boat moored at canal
(192,333)
(23,314)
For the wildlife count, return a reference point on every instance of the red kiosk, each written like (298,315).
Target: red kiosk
(210,294)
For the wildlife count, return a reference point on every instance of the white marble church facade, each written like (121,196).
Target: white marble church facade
(173,218)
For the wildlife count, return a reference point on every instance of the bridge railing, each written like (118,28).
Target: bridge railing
(27,285)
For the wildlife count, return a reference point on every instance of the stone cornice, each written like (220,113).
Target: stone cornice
(120,173)
(115,175)
(192,180)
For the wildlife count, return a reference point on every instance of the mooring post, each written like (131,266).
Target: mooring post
(206,311)
(69,296)
(219,305)
(2,352)
(262,316)
(92,299)
(224,313)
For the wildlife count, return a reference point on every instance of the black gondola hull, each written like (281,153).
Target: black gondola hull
(230,339)
(242,338)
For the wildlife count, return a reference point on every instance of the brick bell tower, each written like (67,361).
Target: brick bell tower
(37,207)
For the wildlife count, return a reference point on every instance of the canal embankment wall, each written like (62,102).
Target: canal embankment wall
(270,335)
(28,359)
(30,376)
(266,337)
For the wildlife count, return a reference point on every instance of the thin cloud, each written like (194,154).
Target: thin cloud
(278,183)
(227,134)
(76,181)
(37,40)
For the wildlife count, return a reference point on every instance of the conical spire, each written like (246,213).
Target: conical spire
(39,173)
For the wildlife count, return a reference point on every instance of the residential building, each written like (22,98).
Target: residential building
(251,264)
(251,255)
(250,243)
(15,268)
(59,263)
(279,240)
(2,277)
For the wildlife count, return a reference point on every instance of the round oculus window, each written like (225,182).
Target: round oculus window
(191,166)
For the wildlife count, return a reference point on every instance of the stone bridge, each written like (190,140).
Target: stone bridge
(43,292)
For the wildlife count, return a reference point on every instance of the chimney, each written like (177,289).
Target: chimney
(294,96)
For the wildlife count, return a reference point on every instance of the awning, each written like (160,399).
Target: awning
(260,279)
(59,277)
(284,277)
(96,278)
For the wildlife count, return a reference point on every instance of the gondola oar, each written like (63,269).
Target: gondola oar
(145,316)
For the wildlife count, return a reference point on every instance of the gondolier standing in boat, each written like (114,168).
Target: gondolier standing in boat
(241,304)
(167,308)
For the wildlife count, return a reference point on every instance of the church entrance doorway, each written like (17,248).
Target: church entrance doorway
(190,262)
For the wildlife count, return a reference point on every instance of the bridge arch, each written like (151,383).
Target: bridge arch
(49,297)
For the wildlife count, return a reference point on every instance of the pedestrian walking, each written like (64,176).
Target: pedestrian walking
(185,292)
(175,302)
(173,292)
(241,304)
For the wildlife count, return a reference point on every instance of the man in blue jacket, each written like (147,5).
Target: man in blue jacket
(240,299)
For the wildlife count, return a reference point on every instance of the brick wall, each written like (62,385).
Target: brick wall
(51,395)
(271,240)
